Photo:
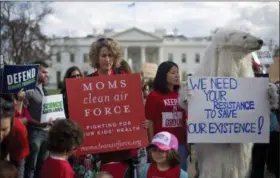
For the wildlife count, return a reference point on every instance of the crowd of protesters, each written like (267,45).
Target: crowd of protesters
(31,149)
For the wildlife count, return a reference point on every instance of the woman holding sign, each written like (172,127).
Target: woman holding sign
(105,56)
(162,109)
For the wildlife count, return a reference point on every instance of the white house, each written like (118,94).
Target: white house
(138,45)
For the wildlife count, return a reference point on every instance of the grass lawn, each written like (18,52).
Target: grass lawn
(53,91)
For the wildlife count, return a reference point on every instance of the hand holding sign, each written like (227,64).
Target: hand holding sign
(52,108)
(21,95)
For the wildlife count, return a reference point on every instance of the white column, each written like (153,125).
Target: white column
(143,55)
(125,54)
(160,55)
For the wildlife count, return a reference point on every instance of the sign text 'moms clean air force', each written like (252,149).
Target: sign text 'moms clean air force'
(109,109)
(228,110)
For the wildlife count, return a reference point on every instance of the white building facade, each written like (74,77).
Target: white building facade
(138,46)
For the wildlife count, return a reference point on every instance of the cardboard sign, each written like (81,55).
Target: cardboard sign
(16,77)
(110,110)
(263,56)
(274,70)
(228,110)
(149,70)
(52,108)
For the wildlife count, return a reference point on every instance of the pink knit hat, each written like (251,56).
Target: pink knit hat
(165,141)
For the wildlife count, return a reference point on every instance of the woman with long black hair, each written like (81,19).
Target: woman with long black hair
(162,109)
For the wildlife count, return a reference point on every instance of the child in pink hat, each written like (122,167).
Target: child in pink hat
(165,156)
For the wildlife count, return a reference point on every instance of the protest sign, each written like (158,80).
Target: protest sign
(149,70)
(228,110)
(263,56)
(16,77)
(52,108)
(274,70)
(110,110)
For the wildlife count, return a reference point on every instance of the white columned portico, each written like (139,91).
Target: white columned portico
(125,54)
(160,55)
(143,55)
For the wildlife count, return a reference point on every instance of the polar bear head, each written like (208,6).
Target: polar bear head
(228,54)
(237,41)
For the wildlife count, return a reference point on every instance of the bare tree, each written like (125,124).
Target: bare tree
(21,38)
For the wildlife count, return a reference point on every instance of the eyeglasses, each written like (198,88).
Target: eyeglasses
(76,76)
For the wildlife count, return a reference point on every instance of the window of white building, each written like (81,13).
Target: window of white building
(85,58)
(197,58)
(184,76)
(170,57)
(72,57)
(184,58)
(58,57)
(58,76)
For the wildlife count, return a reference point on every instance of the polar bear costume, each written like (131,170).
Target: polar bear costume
(228,55)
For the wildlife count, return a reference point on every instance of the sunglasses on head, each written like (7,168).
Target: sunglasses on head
(75,76)
(104,39)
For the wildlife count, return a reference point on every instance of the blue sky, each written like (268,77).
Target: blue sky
(191,18)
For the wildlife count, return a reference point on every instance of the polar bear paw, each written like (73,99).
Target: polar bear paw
(273,96)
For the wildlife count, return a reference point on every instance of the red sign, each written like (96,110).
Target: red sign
(110,110)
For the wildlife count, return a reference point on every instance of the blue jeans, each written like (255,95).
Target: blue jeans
(38,153)
(183,156)
(20,167)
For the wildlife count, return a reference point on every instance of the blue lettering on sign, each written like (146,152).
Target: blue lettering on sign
(223,83)
(214,95)
(201,85)
(226,127)
(216,90)
(242,105)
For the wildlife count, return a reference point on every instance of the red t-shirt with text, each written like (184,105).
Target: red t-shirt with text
(19,148)
(166,114)
(56,168)
(154,172)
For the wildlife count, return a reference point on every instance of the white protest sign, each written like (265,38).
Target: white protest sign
(228,110)
(52,108)
(263,56)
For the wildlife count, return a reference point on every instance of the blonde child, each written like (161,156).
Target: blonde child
(165,158)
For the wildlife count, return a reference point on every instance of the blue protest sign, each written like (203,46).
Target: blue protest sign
(228,110)
(1,79)
(16,77)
